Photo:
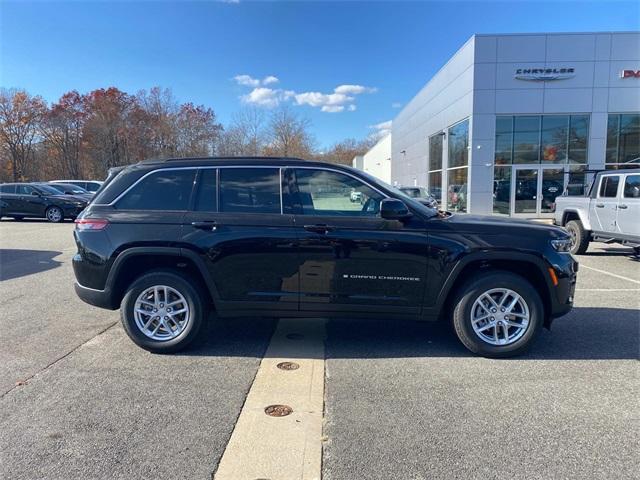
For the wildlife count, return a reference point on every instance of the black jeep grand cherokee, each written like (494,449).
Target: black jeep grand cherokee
(166,240)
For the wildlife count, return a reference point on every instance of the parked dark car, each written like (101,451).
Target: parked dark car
(167,240)
(20,200)
(89,185)
(69,189)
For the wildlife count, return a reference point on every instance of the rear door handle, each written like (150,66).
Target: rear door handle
(623,206)
(205,225)
(599,205)
(319,228)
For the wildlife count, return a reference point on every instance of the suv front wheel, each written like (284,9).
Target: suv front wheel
(162,312)
(498,314)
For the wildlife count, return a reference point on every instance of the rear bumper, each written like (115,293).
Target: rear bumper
(97,298)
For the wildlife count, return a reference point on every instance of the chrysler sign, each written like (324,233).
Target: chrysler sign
(544,74)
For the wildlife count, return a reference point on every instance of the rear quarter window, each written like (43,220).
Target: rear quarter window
(7,188)
(160,190)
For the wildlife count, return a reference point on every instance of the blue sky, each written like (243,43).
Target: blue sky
(345,65)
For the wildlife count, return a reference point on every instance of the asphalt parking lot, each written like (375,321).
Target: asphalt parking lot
(79,400)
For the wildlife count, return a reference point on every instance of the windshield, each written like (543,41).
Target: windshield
(428,211)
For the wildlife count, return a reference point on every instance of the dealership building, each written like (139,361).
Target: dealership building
(512,121)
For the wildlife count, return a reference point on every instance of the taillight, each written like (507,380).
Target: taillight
(86,224)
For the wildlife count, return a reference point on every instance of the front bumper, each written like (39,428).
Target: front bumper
(566,271)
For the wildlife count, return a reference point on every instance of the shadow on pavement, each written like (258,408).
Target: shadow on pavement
(583,334)
(16,263)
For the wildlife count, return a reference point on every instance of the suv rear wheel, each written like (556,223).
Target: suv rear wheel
(162,312)
(579,237)
(498,314)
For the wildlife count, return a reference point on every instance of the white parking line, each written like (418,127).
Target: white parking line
(582,265)
(607,289)
(287,447)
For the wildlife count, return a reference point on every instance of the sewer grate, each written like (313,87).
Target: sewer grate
(288,366)
(295,336)
(278,410)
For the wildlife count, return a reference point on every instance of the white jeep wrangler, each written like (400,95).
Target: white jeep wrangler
(610,212)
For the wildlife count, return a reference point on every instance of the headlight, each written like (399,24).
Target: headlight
(561,244)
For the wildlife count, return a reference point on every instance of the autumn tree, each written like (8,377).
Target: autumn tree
(107,129)
(62,127)
(20,115)
(196,130)
(288,135)
(344,151)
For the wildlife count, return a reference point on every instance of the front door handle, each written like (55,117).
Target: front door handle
(205,225)
(319,228)
(623,206)
(599,205)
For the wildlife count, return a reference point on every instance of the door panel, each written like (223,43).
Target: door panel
(350,258)
(605,206)
(251,258)
(628,220)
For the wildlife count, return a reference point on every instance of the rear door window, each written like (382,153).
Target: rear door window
(250,190)
(161,190)
(24,190)
(609,186)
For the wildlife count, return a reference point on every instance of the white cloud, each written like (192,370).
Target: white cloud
(332,108)
(354,89)
(396,105)
(342,98)
(266,97)
(246,80)
(381,129)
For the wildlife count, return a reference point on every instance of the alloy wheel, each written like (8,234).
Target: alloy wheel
(500,316)
(54,214)
(161,312)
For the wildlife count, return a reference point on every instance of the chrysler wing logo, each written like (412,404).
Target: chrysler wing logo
(544,74)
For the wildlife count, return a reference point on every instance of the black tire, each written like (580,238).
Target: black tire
(187,289)
(51,216)
(473,289)
(579,237)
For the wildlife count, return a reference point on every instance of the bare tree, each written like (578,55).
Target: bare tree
(289,135)
(160,109)
(20,114)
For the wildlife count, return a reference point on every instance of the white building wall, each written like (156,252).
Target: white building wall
(478,82)
(445,100)
(377,161)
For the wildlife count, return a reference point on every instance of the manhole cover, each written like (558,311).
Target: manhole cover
(278,410)
(295,336)
(288,366)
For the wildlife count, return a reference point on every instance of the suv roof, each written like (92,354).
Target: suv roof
(244,160)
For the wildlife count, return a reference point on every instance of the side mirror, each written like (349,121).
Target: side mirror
(393,209)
